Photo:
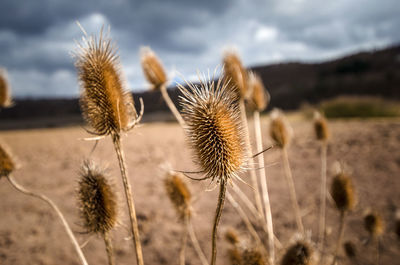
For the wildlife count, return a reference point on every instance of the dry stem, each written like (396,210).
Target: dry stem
(55,208)
(339,240)
(218,212)
(196,244)
(109,248)
(171,105)
(184,241)
(322,213)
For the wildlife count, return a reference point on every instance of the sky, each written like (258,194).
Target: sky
(38,37)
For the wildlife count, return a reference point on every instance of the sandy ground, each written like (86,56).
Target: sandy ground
(50,159)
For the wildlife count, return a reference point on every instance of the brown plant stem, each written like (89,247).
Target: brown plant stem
(377,250)
(184,241)
(171,105)
(55,208)
(129,198)
(264,187)
(109,248)
(292,190)
(196,244)
(339,240)
(322,212)
(218,213)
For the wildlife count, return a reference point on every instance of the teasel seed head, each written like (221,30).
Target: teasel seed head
(300,253)
(235,74)
(7,163)
(342,192)
(214,128)
(152,68)
(321,127)
(232,236)
(235,256)
(350,249)
(253,256)
(5,91)
(259,96)
(280,130)
(179,194)
(97,200)
(373,223)
(106,105)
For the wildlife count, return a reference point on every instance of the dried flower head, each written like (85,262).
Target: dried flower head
(259,98)
(342,192)
(106,105)
(5,91)
(235,73)
(179,194)
(350,249)
(97,201)
(373,223)
(214,128)
(232,236)
(152,68)
(7,164)
(300,253)
(321,127)
(253,256)
(280,130)
(235,256)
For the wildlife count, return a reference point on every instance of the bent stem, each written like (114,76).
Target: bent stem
(129,198)
(292,190)
(109,248)
(264,188)
(184,241)
(171,105)
(322,212)
(196,244)
(218,212)
(339,240)
(55,208)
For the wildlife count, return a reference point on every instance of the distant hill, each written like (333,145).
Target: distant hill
(375,73)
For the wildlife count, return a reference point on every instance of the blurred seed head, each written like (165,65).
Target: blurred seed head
(299,253)
(280,130)
(235,256)
(342,192)
(5,90)
(106,105)
(232,236)
(235,73)
(214,128)
(97,200)
(259,96)
(253,256)
(350,249)
(152,68)
(179,194)
(321,127)
(7,163)
(397,224)
(373,223)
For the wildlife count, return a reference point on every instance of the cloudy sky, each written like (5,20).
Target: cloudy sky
(37,37)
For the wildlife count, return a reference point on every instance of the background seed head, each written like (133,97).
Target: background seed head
(235,73)
(350,249)
(321,127)
(342,192)
(280,130)
(152,68)
(179,194)
(259,96)
(300,253)
(373,223)
(5,90)
(7,164)
(252,256)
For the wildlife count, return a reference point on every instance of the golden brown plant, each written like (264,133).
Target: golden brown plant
(179,195)
(7,164)
(252,256)
(5,91)
(350,249)
(300,253)
(373,223)
(232,236)
(235,256)
(152,68)
(259,96)
(342,192)
(235,73)
(321,127)
(280,130)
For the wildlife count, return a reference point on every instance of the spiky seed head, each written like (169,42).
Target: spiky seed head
(232,236)
(300,253)
(235,256)
(7,164)
(280,130)
(214,128)
(259,96)
(373,223)
(179,194)
(342,192)
(350,249)
(5,91)
(106,105)
(97,200)
(321,127)
(152,68)
(235,73)
(253,256)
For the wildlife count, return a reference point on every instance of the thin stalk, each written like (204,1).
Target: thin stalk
(292,190)
(171,105)
(129,198)
(55,208)
(264,188)
(322,212)
(218,212)
(109,248)
(377,250)
(184,241)
(196,244)
(339,240)
(253,175)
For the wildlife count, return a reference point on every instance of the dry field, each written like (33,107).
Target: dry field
(30,233)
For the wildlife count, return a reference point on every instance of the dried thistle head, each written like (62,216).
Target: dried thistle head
(342,192)
(152,68)
(253,256)
(232,236)
(106,105)
(321,127)
(5,91)
(235,256)
(179,194)
(235,73)
(214,128)
(7,163)
(280,130)
(300,253)
(96,199)
(259,97)
(350,249)
(373,223)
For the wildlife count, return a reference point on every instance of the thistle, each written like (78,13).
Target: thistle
(321,127)
(232,236)
(300,253)
(350,249)
(259,96)
(373,223)
(252,256)
(235,73)
(215,134)
(7,163)
(108,107)
(5,91)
